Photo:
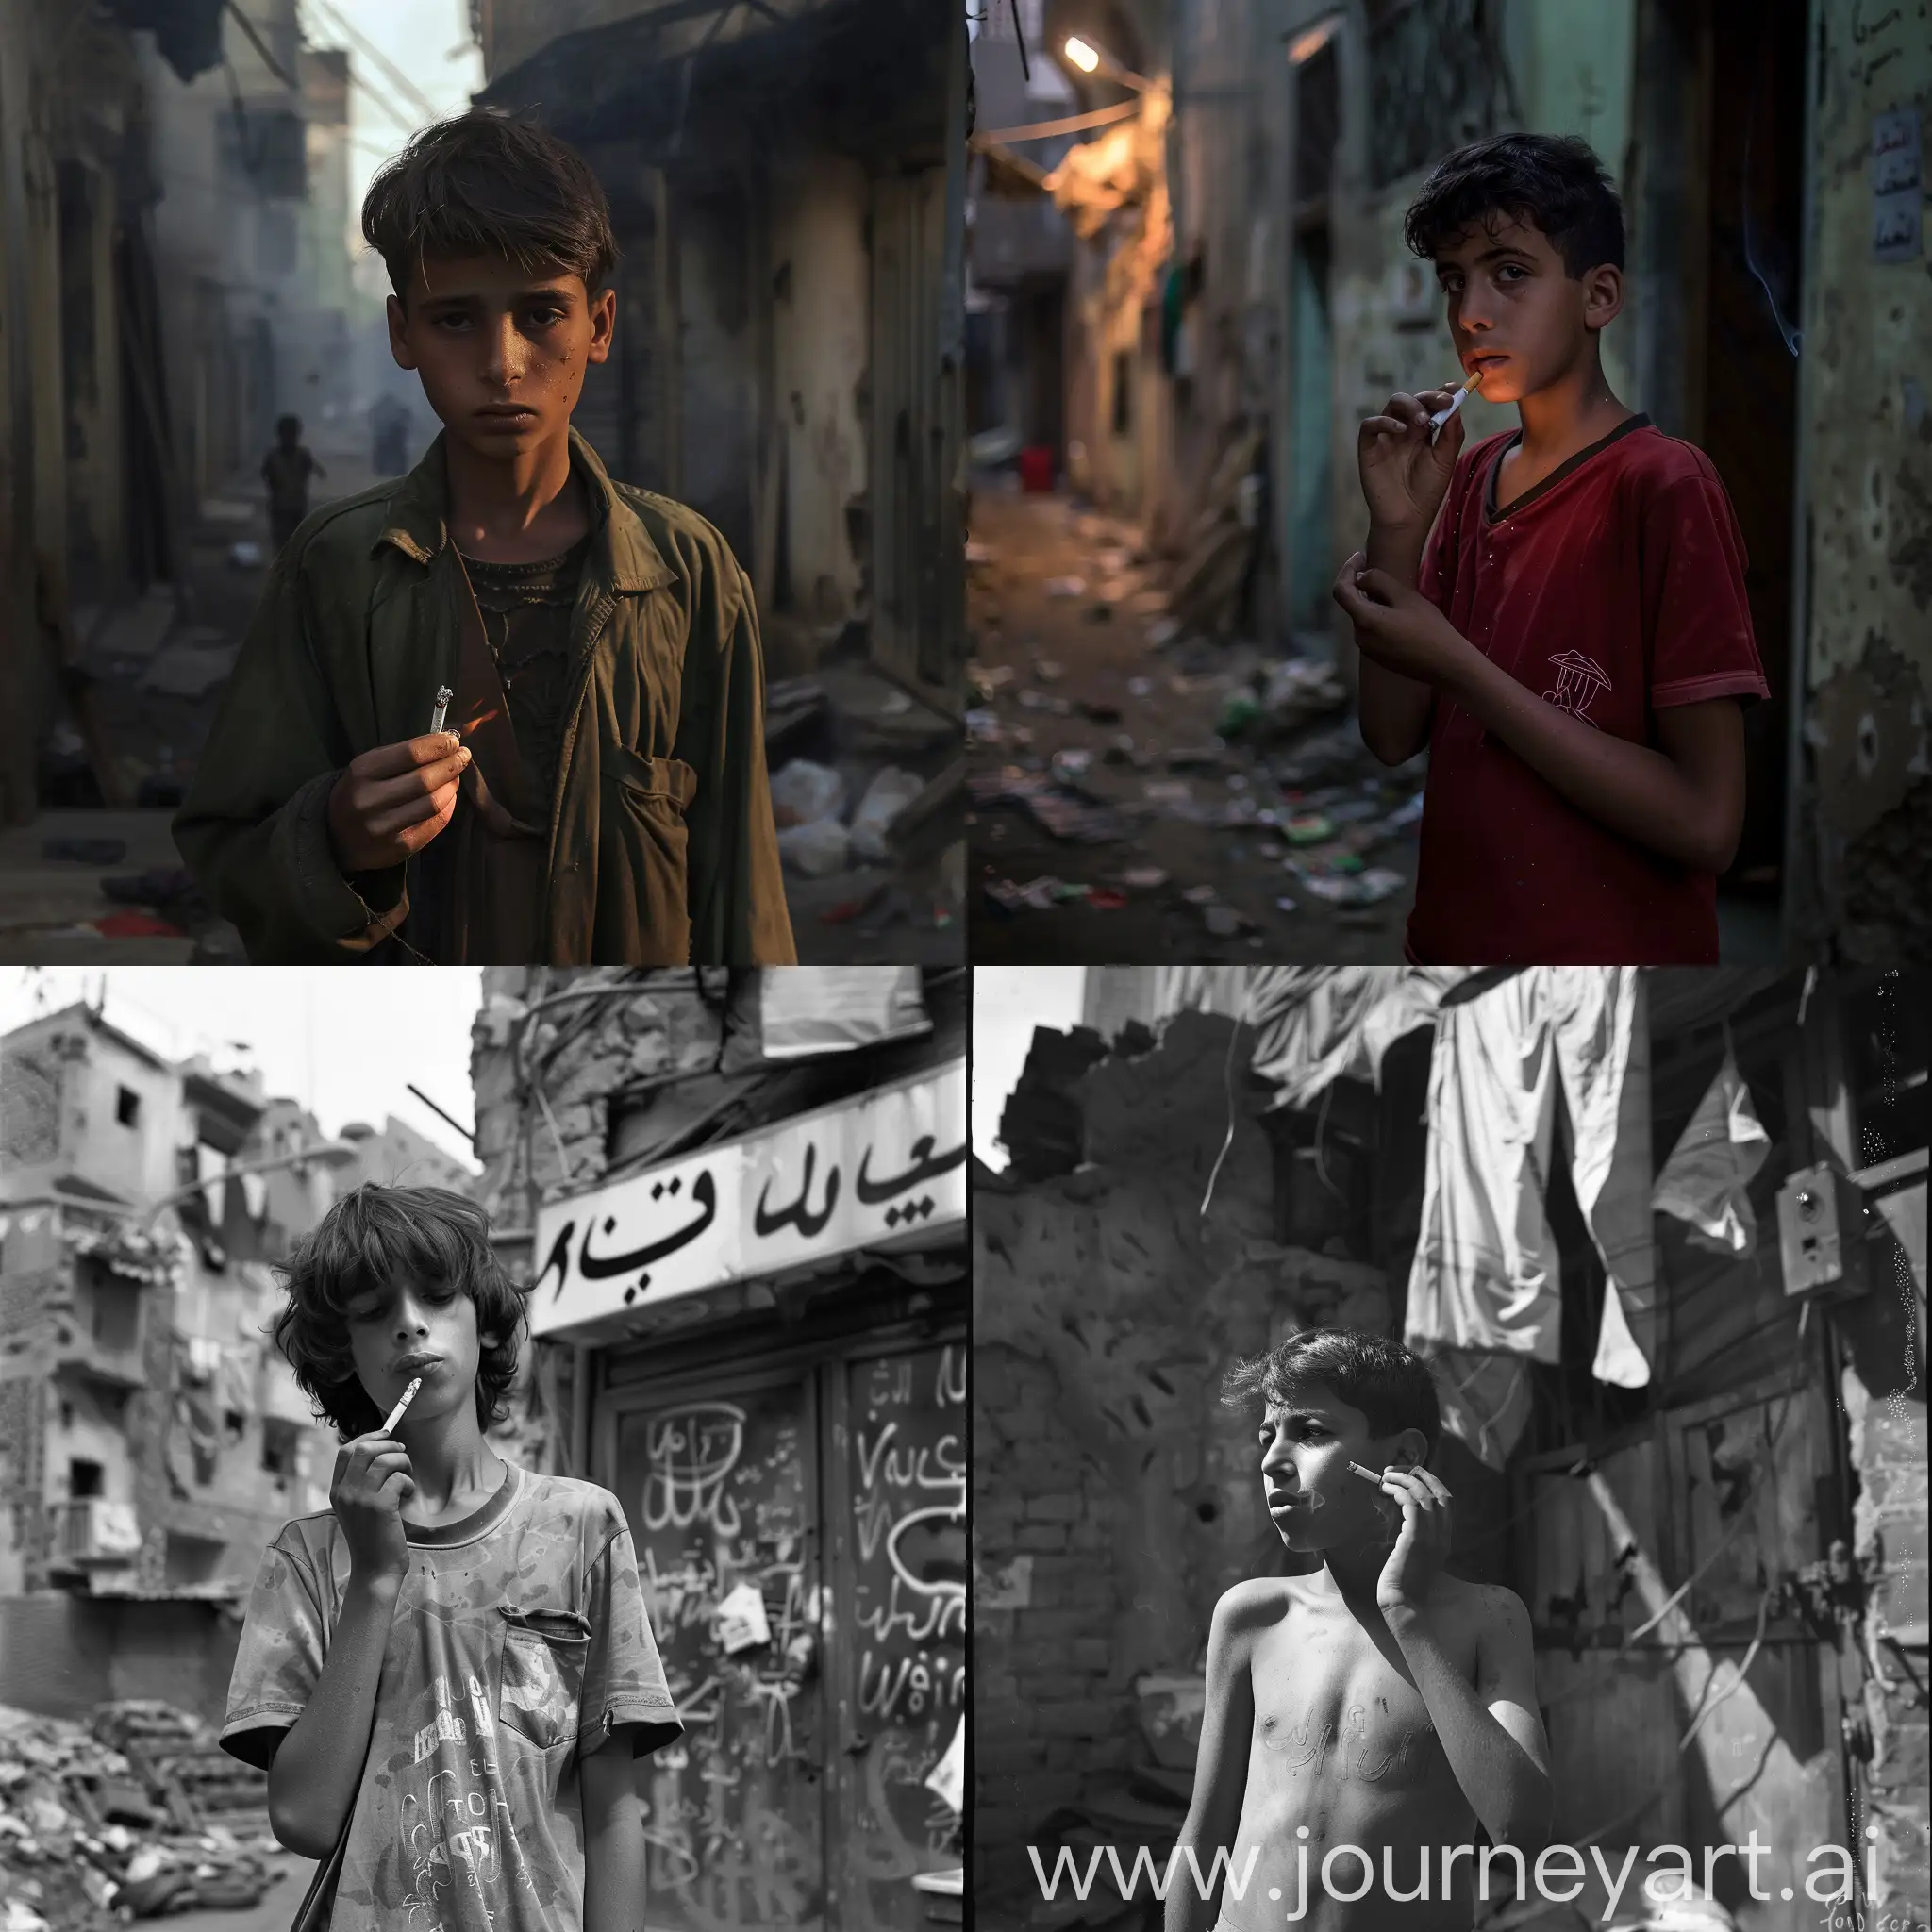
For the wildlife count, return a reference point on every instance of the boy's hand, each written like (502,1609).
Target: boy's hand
(1423,1546)
(391,801)
(1398,627)
(372,1480)
(1405,473)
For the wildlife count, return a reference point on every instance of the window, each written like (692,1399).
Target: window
(279,1440)
(128,1107)
(84,1478)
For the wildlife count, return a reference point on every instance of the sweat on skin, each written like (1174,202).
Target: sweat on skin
(1373,1702)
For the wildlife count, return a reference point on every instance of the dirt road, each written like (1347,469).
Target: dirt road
(1141,742)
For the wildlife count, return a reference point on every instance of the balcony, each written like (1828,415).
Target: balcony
(94,1531)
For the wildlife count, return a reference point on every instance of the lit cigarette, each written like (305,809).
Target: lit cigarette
(443,695)
(1442,416)
(1367,1475)
(396,1415)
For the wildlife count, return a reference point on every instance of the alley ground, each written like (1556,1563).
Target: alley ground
(1203,795)
(1138,794)
(85,885)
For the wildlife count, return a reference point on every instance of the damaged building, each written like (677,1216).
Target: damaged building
(786,189)
(173,203)
(739,1199)
(1239,297)
(152,1440)
(1700,1461)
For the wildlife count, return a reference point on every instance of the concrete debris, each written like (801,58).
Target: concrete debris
(186,670)
(139,1813)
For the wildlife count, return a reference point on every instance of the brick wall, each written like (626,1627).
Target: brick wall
(1115,1498)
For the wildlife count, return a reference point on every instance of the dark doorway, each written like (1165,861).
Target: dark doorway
(1754,80)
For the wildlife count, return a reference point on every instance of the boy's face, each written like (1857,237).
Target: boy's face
(1315,1500)
(1512,307)
(410,1330)
(501,351)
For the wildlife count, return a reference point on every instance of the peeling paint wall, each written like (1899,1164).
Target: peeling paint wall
(1115,1498)
(1862,824)
(1569,68)
(820,348)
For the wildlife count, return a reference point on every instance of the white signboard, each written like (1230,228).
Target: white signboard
(871,1172)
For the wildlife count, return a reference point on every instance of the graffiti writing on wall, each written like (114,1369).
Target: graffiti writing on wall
(731,1822)
(907,1476)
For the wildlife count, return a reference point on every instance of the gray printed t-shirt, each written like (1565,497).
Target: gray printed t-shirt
(519,1641)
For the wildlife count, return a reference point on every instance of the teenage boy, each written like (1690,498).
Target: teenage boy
(1374,1700)
(600,794)
(1571,639)
(451,1664)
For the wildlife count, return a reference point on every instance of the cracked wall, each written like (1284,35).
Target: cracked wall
(1864,854)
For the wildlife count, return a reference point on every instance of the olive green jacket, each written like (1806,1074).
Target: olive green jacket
(358,627)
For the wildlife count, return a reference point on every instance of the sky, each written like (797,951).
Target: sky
(1008,1002)
(428,40)
(345,1044)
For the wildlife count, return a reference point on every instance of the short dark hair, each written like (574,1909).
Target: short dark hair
(1553,181)
(287,425)
(489,184)
(1371,1373)
(368,1240)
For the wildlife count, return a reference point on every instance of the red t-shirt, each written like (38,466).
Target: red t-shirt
(1615,588)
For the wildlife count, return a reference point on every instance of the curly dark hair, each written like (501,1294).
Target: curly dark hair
(1371,1373)
(1553,181)
(489,184)
(368,1240)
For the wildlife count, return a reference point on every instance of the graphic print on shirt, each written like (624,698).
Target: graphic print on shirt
(1579,680)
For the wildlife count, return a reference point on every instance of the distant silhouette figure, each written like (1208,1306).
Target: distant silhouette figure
(389,422)
(286,470)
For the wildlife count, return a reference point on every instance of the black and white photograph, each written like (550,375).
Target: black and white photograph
(1448,1448)
(485,1449)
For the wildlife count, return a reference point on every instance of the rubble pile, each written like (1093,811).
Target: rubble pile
(138,1815)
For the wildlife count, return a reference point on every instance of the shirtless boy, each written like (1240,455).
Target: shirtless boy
(1372,1701)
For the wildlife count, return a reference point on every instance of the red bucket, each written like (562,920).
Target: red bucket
(1036,469)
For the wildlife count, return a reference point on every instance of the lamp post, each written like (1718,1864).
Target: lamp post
(328,1154)
(1091,59)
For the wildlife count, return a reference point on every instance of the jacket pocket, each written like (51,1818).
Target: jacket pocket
(543,1675)
(643,913)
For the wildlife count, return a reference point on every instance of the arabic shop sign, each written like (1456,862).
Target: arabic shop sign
(868,1174)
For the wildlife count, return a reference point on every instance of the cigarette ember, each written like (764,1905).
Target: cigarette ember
(396,1415)
(443,695)
(1474,380)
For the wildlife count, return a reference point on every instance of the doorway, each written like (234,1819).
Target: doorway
(1746,361)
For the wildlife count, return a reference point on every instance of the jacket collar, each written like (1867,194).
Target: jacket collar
(417,527)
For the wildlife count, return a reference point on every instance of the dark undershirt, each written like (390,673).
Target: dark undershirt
(527,611)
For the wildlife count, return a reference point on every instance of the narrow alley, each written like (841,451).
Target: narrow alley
(1141,792)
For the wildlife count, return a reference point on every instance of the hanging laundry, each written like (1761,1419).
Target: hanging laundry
(255,1192)
(1706,1181)
(204,1359)
(1485,1281)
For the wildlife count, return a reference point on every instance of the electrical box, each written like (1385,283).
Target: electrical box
(1822,1219)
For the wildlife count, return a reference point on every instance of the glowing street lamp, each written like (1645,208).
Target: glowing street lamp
(1091,59)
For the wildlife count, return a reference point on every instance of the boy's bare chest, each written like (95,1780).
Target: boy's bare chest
(1331,1703)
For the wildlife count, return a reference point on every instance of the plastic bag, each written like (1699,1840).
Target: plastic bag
(802,792)
(813,850)
(886,797)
